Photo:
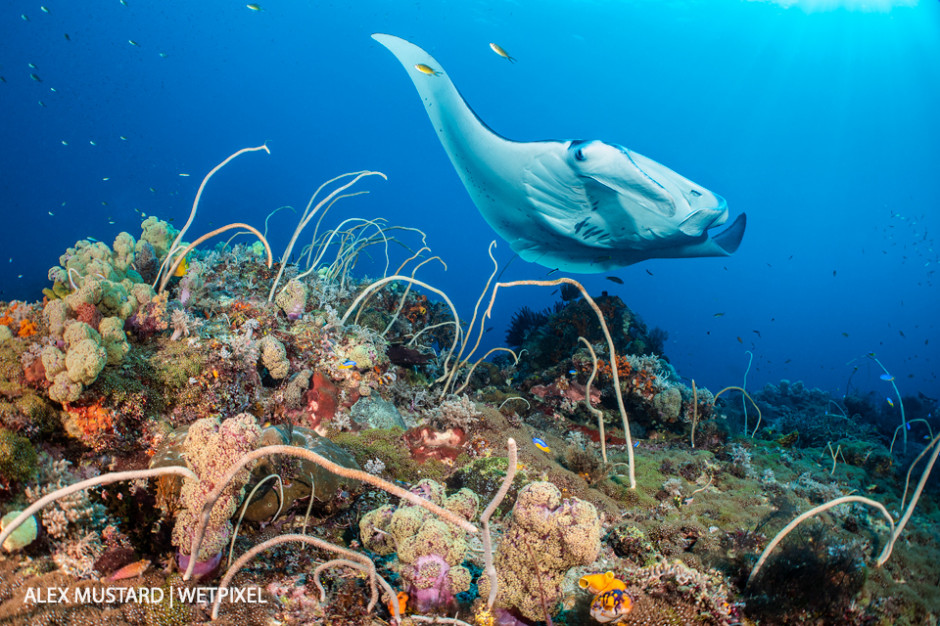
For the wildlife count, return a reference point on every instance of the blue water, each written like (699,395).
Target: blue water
(822,125)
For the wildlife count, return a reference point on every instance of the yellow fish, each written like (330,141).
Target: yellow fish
(498,49)
(427,69)
(181,268)
(599,583)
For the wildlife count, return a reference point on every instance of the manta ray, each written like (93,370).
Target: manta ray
(582,206)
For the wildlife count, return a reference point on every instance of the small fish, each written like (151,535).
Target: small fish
(901,332)
(756,332)
(19,276)
(64,142)
(886,377)
(181,268)
(163,55)
(183,174)
(614,279)
(123,138)
(51,214)
(2,79)
(43,9)
(572,372)
(24,17)
(541,445)
(124,2)
(741,341)
(426,69)
(106,178)
(32,66)
(845,334)
(67,38)
(91,239)
(42,104)
(133,43)
(552,271)
(92,143)
(890,402)
(718,315)
(129,571)
(636,444)
(498,49)
(649,272)
(35,78)
(254,7)
(833,273)
(347,364)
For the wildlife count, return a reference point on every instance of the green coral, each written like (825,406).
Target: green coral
(113,339)
(84,361)
(177,362)
(158,234)
(18,459)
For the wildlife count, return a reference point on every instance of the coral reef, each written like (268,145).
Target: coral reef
(109,375)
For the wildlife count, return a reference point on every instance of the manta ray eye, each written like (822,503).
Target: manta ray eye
(579,156)
(696,194)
